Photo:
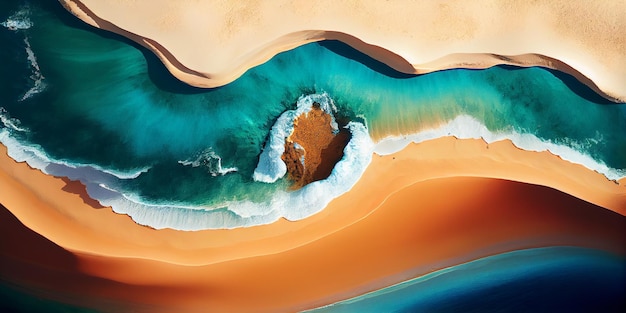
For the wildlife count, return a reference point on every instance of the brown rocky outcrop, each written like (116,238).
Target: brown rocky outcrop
(313,149)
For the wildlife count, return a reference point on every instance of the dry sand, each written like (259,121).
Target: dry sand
(410,214)
(210,43)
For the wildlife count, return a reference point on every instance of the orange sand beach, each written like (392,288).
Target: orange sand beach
(211,43)
(412,212)
(432,205)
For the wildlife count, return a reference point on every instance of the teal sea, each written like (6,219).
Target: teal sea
(93,106)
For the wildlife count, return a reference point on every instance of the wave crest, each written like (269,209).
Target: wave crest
(209,159)
(36,157)
(20,20)
(467,127)
(292,205)
(10,123)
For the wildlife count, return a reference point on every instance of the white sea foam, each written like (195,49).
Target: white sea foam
(294,205)
(38,79)
(19,21)
(209,159)
(467,127)
(11,123)
(34,156)
(271,167)
(100,184)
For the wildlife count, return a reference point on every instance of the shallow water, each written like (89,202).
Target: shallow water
(90,105)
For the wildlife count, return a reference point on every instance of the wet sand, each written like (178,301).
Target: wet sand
(411,213)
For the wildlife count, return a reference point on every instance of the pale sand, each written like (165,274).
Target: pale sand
(402,219)
(210,43)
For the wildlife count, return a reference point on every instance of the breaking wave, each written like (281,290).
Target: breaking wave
(209,159)
(467,127)
(35,157)
(104,184)
(314,197)
(292,205)
(271,167)
(20,20)
(10,123)
(36,76)
(101,184)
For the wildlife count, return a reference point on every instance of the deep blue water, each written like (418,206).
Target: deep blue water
(556,279)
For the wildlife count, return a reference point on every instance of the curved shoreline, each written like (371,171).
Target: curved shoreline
(209,76)
(67,202)
(110,249)
(548,218)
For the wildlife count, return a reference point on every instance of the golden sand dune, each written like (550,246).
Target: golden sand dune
(211,43)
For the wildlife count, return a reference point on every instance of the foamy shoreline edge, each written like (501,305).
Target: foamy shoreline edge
(295,39)
(358,155)
(611,174)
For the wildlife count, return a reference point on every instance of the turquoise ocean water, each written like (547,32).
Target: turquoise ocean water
(90,105)
(93,106)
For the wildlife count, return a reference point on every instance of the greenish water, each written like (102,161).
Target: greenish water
(107,112)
